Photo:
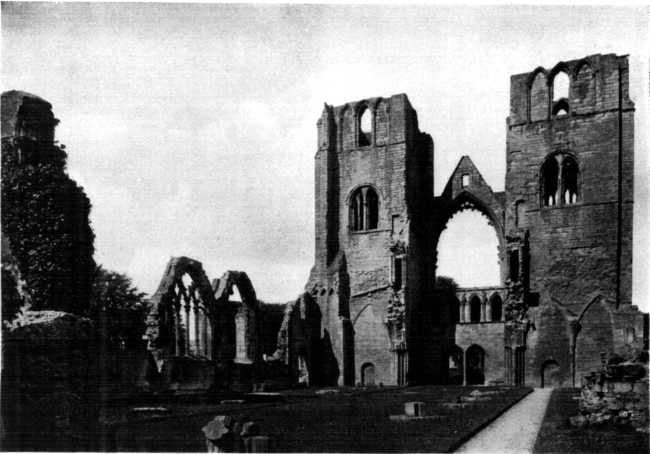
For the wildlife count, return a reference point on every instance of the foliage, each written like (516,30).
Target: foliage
(45,219)
(446,285)
(119,307)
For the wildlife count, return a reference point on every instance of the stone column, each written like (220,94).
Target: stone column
(483,302)
(461,309)
(488,311)
(465,366)
(178,332)
(187,328)
(197,334)
(468,316)
(204,333)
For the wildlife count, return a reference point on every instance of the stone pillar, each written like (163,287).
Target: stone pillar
(468,317)
(483,302)
(465,367)
(488,311)
(187,328)
(197,334)
(461,309)
(179,350)
(204,333)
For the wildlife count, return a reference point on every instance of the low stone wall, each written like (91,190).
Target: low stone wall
(618,395)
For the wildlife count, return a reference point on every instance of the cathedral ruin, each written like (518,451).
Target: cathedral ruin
(371,313)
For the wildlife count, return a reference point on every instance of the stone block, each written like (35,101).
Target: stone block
(414,409)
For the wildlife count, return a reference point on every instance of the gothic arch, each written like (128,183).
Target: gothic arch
(466,200)
(168,326)
(245,315)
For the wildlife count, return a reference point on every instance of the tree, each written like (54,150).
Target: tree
(120,305)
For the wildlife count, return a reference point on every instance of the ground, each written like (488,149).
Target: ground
(349,420)
(557,435)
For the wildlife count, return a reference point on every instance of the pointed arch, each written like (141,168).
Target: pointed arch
(181,318)
(538,95)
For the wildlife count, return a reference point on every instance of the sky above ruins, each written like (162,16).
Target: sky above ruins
(192,128)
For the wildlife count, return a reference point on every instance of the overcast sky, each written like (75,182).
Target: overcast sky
(192,128)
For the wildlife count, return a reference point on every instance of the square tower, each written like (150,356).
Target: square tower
(569,201)
(372,272)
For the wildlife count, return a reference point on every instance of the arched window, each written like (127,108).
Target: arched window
(560,86)
(550,176)
(569,180)
(364,209)
(365,127)
(475,309)
(560,94)
(560,180)
(538,97)
(496,305)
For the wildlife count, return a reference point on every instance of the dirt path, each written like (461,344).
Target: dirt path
(514,431)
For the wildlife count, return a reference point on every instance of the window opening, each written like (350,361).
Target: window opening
(560,86)
(365,128)
(549,182)
(364,209)
(464,180)
(475,309)
(570,180)
(514,265)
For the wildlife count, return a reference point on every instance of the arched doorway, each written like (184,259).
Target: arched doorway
(475,369)
(550,374)
(368,374)
(456,366)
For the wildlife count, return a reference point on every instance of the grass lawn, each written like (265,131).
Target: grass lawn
(557,435)
(350,421)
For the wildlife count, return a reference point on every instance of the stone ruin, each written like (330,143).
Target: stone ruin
(616,395)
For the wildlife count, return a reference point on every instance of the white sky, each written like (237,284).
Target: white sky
(192,128)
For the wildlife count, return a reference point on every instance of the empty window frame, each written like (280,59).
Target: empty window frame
(364,209)
(365,127)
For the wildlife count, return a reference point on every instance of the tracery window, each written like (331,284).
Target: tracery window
(190,322)
(364,209)
(560,180)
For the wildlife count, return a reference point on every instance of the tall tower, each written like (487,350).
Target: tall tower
(569,198)
(373,275)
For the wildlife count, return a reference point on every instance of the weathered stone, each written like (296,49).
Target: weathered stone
(414,409)
(578,421)
(250,429)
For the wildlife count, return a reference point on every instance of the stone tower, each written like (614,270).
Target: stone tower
(569,198)
(373,271)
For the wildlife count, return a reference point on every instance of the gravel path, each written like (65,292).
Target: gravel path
(514,431)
